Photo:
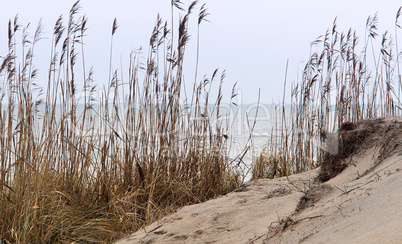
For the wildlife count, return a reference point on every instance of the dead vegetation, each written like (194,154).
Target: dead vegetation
(313,195)
(278,227)
(90,166)
(357,137)
(346,79)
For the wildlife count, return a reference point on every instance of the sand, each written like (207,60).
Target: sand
(362,204)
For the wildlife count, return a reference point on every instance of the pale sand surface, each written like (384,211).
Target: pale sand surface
(349,209)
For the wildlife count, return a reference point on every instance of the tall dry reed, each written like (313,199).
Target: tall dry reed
(342,81)
(93,167)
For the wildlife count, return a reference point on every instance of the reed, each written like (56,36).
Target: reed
(94,167)
(343,81)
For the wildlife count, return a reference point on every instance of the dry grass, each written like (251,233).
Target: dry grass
(93,168)
(343,81)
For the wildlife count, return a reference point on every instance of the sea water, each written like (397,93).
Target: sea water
(248,127)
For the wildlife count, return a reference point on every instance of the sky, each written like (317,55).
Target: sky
(251,40)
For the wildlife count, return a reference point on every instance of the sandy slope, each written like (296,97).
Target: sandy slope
(362,204)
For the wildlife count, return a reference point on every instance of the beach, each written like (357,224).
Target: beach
(359,205)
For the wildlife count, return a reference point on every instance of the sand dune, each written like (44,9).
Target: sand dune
(361,204)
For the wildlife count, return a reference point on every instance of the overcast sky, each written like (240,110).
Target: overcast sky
(252,39)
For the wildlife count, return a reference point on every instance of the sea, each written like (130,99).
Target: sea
(248,128)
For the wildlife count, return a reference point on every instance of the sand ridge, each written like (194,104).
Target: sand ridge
(359,205)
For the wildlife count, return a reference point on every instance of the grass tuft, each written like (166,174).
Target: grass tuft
(342,82)
(95,167)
